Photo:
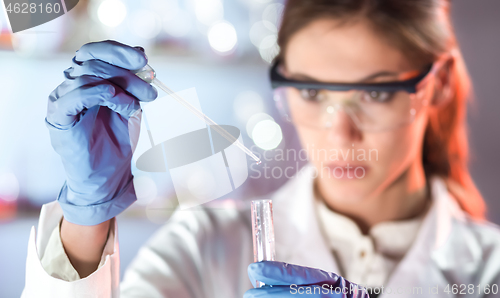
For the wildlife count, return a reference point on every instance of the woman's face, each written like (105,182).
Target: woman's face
(370,161)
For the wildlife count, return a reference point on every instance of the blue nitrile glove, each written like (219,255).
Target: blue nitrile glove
(87,117)
(286,280)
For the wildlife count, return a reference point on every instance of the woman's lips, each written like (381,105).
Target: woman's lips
(347,170)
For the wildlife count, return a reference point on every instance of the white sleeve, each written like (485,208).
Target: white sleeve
(199,253)
(104,282)
(55,261)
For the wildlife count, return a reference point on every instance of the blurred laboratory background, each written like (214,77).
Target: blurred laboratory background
(223,49)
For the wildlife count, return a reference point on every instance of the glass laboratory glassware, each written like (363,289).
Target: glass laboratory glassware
(263,232)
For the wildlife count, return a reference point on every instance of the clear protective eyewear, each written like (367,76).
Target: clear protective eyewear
(371,106)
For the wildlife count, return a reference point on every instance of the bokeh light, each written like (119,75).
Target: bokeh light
(273,13)
(254,119)
(145,189)
(267,134)
(112,12)
(145,23)
(246,104)
(261,30)
(268,48)
(208,11)
(9,187)
(222,37)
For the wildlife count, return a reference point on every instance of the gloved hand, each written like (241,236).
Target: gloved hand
(87,117)
(288,280)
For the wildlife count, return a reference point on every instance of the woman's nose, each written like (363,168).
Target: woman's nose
(340,126)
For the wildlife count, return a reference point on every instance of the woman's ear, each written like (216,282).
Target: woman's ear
(444,84)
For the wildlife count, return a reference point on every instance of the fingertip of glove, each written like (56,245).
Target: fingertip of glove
(259,266)
(254,267)
(150,95)
(155,93)
(67,73)
(143,52)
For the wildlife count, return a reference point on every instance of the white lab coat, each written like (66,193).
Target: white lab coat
(205,252)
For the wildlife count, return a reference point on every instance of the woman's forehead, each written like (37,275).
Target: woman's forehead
(327,51)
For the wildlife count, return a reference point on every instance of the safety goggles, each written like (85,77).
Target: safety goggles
(371,106)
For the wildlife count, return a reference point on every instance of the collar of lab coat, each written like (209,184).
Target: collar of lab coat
(299,239)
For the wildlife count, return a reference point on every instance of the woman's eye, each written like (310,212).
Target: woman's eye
(378,96)
(309,94)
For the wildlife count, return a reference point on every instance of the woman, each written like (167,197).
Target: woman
(405,219)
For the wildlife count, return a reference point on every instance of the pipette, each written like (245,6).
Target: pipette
(148,74)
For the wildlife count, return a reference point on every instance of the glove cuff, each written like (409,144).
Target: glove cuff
(97,213)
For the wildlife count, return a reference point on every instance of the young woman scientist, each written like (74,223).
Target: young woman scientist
(385,75)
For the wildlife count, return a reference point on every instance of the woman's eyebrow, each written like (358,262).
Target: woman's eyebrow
(379,75)
(300,76)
